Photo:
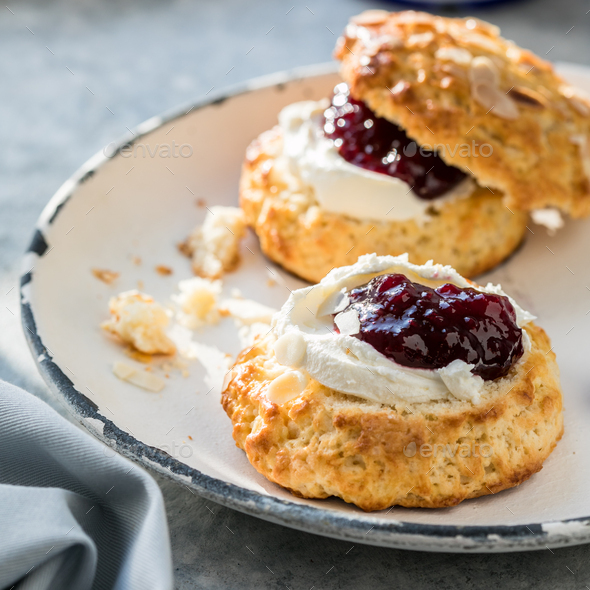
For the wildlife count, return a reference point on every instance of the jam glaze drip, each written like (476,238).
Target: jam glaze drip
(417,326)
(375,144)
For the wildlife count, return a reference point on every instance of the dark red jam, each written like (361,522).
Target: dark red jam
(374,143)
(417,326)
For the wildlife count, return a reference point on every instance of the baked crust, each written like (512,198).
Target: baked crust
(410,68)
(325,443)
(472,234)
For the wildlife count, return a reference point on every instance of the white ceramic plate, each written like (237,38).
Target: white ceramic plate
(117,208)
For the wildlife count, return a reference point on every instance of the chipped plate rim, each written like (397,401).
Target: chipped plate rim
(314,519)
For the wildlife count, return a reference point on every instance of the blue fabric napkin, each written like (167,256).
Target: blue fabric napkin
(73,514)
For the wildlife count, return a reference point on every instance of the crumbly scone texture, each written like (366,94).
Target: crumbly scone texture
(472,235)
(325,443)
(214,246)
(138,320)
(451,81)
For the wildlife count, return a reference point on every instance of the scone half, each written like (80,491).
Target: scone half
(472,234)
(456,80)
(318,442)
(454,88)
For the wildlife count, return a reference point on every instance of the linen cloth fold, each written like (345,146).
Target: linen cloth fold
(73,514)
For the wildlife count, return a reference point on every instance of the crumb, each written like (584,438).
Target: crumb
(184,248)
(190,437)
(163,270)
(106,276)
(201,203)
(214,246)
(135,354)
(179,363)
(185,373)
(140,321)
(198,302)
(140,285)
(136,260)
(271,283)
(136,377)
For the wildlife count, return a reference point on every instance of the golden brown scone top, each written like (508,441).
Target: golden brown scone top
(456,81)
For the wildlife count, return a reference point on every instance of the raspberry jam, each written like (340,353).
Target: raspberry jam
(417,326)
(374,143)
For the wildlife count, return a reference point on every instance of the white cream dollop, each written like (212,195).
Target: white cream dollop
(549,217)
(460,381)
(290,349)
(341,187)
(307,341)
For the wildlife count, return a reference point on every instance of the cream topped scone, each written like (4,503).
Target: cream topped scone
(390,383)
(437,144)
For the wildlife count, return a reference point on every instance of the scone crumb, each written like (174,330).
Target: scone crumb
(178,363)
(136,355)
(184,248)
(163,270)
(214,246)
(140,321)
(106,276)
(198,302)
(142,379)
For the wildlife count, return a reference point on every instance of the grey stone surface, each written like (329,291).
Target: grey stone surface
(215,547)
(75,75)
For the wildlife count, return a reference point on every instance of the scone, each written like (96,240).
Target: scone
(457,80)
(390,383)
(472,234)
(441,139)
